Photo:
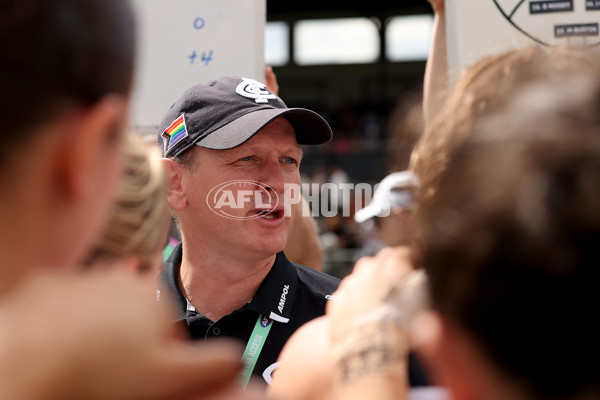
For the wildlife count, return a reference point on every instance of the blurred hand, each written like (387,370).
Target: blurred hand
(254,391)
(102,335)
(376,286)
(271,80)
(370,316)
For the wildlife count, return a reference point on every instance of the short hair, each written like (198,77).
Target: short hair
(189,160)
(510,240)
(137,225)
(56,53)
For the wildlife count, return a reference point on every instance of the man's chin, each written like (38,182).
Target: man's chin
(267,249)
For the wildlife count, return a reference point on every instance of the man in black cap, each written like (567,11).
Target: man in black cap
(232,156)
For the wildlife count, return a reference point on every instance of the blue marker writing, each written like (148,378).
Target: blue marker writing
(199,23)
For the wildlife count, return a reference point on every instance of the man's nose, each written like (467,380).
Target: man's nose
(273,176)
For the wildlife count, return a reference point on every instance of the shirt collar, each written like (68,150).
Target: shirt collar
(276,294)
(274,297)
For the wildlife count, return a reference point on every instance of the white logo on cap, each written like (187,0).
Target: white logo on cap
(254,90)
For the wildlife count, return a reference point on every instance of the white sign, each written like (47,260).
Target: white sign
(185,42)
(476,28)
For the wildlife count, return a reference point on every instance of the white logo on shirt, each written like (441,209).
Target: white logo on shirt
(268,373)
(282,300)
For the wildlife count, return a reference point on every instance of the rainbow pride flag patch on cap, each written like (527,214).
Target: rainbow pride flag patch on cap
(173,134)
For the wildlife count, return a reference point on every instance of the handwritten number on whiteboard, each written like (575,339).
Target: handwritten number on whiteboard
(193,57)
(198,23)
(208,58)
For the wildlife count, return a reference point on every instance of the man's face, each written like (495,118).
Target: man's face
(235,197)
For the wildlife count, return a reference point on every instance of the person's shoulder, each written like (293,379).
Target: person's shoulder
(320,283)
(304,369)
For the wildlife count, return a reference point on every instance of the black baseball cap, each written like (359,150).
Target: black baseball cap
(228,111)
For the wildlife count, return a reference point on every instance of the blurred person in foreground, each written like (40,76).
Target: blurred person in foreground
(137,228)
(388,214)
(231,148)
(451,112)
(307,374)
(66,73)
(509,247)
(472,97)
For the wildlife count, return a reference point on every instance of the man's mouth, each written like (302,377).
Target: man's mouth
(268,214)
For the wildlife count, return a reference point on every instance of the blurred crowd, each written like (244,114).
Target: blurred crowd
(366,147)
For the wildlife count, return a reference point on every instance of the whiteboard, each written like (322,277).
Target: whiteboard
(185,42)
(476,28)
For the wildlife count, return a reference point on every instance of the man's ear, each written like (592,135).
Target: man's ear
(175,193)
(91,146)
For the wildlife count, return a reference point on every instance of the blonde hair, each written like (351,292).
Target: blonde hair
(137,223)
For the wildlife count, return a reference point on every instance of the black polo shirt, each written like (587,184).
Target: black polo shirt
(290,295)
(307,292)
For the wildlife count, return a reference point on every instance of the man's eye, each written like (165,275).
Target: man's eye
(289,160)
(247,158)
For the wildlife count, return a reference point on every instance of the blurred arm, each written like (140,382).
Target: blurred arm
(435,86)
(369,316)
(103,336)
(303,246)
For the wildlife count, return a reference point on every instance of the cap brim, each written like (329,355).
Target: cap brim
(310,128)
